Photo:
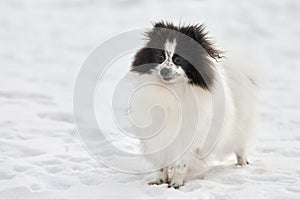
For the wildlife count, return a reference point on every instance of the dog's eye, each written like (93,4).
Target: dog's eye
(160,58)
(178,60)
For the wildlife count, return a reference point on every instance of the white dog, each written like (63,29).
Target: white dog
(190,91)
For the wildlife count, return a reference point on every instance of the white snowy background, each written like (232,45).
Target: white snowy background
(42,47)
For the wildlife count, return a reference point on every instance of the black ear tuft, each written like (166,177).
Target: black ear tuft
(198,33)
(164,24)
(160,24)
(189,31)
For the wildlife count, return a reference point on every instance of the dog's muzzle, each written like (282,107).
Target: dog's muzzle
(166,73)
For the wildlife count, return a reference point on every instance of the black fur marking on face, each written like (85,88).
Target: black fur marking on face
(201,74)
(196,32)
(147,59)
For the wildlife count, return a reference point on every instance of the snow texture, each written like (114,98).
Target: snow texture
(42,47)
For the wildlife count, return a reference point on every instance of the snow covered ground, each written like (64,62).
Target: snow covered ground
(42,47)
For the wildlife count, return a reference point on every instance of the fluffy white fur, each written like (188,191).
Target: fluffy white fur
(239,122)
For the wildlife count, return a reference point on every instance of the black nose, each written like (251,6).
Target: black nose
(165,72)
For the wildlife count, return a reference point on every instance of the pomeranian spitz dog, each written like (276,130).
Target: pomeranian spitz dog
(192,80)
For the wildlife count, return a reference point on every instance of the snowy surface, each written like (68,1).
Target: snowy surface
(42,46)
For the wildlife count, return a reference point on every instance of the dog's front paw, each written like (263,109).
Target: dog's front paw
(245,163)
(156,182)
(162,177)
(159,182)
(242,161)
(176,184)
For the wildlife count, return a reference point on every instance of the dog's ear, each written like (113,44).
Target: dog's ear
(199,34)
(160,24)
(164,24)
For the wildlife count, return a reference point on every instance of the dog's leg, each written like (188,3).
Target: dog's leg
(241,158)
(161,177)
(179,176)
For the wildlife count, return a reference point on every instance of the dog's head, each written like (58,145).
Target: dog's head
(174,58)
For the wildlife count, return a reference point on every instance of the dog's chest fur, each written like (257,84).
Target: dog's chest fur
(187,112)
